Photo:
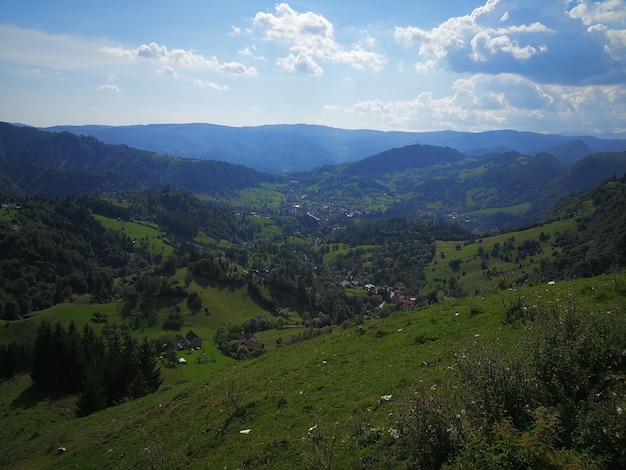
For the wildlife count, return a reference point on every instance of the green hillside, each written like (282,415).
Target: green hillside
(158,329)
(347,399)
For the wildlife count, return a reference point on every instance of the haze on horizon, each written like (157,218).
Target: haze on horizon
(556,66)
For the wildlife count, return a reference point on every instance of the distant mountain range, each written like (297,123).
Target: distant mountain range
(50,164)
(494,190)
(290,148)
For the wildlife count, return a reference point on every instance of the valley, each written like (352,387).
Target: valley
(365,314)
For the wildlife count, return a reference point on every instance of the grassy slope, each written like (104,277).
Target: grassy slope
(474,279)
(139,231)
(334,381)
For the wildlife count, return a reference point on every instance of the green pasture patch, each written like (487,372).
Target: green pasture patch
(471,277)
(262,197)
(139,232)
(117,202)
(226,304)
(7,214)
(205,239)
(481,197)
(342,249)
(268,226)
(200,364)
(80,312)
(515,210)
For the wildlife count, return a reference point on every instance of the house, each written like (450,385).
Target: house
(189,341)
(250,342)
(252,345)
(195,342)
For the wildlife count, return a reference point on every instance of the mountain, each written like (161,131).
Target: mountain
(494,191)
(300,147)
(53,164)
(404,158)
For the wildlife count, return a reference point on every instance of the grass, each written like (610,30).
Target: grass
(139,232)
(474,278)
(517,209)
(334,382)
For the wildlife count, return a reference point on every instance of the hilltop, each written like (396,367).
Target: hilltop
(490,191)
(54,164)
(301,147)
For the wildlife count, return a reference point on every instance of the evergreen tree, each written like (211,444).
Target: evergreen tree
(138,387)
(148,368)
(72,366)
(41,368)
(112,371)
(93,393)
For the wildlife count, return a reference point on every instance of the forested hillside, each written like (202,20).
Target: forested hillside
(102,296)
(491,191)
(300,147)
(49,164)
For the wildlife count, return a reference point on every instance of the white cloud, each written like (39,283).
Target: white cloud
(247,51)
(486,43)
(208,84)
(178,57)
(310,36)
(361,59)
(110,88)
(474,36)
(301,63)
(608,11)
(237,68)
(484,102)
(167,70)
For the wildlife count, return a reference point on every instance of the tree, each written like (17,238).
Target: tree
(147,366)
(93,393)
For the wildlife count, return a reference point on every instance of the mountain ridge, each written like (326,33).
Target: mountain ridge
(271,148)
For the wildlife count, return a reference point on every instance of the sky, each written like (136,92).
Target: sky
(552,66)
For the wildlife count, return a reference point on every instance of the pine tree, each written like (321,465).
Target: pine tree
(93,393)
(41,367)
(148,366)
(73,360)
(138,387)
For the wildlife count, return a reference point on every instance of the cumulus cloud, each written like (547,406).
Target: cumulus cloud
(178,57)
(247,51)
(301,63)
(110,88)
(211,85)
(486,101)
(605,21)
(310,37)
(606,12)
(545,41)
(237,68)
(478,35)
(167,70)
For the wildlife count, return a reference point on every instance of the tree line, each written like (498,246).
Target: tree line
(103,370)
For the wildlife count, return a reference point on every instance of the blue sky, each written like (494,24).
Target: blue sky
(554,66)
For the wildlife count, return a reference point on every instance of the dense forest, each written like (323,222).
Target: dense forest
(49,164)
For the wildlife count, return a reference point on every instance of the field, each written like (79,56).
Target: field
(471,275)
(140,232)
(261,413)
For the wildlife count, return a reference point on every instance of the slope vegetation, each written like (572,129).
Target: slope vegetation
(49,164)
